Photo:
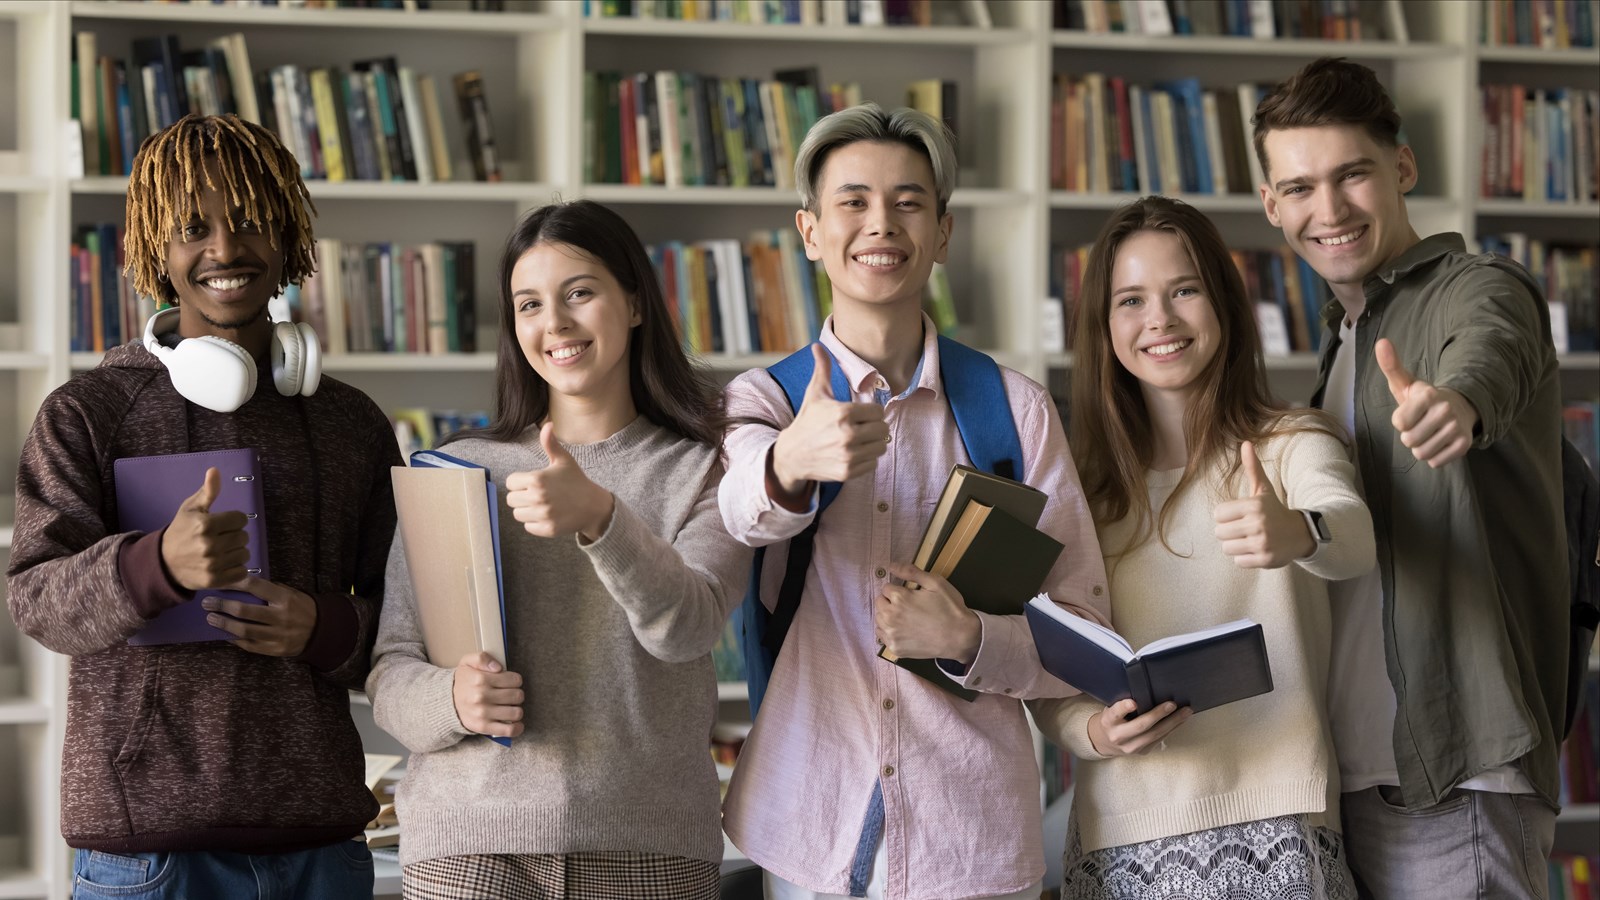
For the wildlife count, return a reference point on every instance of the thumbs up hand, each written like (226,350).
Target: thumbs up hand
(559,499)
(1258,531)
(828,440)
(1436,423)
(202,550)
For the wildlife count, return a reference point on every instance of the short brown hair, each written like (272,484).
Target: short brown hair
(243,160)
(1329,91)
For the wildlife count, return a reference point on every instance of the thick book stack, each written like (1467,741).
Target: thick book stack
(416,428)
(686,129)
(1547,24)
(106,311)
(1172,137)
(1329,20)
(391,298)
(1568,277)
(797,12)
(1540,145)
(1289,294)
(373,121)
(761,295)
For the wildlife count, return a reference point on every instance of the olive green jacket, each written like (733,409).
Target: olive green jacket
(1472,555)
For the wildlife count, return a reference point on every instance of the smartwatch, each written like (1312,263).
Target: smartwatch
(1318,526)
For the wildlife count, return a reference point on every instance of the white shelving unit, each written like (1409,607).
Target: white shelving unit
(532,61)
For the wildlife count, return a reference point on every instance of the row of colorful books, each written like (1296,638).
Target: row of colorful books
(416,428)
(1288,293)
(1569,277)
(1572,877)
(1171,137)
(1541,144)
(761,295)
(106,310)
(921,13)
(682,128)
(1547,24)
(1580,422)
(1333,20)
(1055,770)
(391,298)
(379,121)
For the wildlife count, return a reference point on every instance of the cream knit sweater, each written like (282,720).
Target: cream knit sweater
(1265,756)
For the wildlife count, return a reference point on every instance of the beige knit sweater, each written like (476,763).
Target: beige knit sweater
(613,642)
(1265,756)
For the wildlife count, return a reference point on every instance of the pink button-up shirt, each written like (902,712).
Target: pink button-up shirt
(960,784)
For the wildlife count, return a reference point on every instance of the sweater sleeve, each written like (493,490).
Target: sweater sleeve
(1315,473)
(340,648)
(677,594)
(65,584)
(412,698)
(1065,720)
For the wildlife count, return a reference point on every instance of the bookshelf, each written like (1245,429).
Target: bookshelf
(533,59)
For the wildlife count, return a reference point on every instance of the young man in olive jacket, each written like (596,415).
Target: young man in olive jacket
(1440,363)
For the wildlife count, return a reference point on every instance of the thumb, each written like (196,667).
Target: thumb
(552,448)
(1253,470)
(821,374)
(201,500)
(1393,370)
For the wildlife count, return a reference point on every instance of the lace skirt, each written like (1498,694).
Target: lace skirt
(1281,858)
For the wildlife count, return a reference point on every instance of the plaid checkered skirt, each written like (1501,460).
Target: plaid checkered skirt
(621,875)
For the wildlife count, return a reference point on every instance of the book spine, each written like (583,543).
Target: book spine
(1139,685)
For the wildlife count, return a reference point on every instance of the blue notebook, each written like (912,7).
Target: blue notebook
(150,489)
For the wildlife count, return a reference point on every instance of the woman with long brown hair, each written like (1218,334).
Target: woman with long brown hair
(618,578)
(1213,502)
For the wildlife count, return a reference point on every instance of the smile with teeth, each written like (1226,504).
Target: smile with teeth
(1345,238)
(228,284)
(1168,348)
(878,259)
(568,351)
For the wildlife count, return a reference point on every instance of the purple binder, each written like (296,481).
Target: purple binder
(149,491)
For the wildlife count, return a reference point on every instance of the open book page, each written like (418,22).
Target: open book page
(378,765)
(440,460)
(1178,640)
(1094,631)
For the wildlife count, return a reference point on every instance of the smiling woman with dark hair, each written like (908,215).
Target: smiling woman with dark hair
(618,580)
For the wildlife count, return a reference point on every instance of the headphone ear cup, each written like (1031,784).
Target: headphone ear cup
(311,370)
(212,372)
(288,359)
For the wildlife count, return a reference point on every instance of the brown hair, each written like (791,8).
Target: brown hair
(667,388)
(1112,439)
(254,169)
(1328,91)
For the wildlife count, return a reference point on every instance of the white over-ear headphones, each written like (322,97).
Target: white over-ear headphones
(220,375)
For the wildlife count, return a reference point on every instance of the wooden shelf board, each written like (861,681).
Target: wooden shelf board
(830,34)
(1246,46)
(508,24)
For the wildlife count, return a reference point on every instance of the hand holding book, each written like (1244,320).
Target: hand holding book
(488,699)
(280,625)
(926,618)
(1117,731)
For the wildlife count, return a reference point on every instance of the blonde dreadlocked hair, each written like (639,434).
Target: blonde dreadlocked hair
(257,173)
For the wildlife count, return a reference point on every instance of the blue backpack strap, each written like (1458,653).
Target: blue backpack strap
(977,394)
(762,632)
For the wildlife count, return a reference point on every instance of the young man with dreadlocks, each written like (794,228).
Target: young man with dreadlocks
(215,768)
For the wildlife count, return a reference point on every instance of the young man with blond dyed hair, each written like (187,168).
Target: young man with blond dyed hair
(1440,363)
(861,779)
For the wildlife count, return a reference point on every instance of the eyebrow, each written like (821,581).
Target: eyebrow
(564,285)
(1307,179)
(1129,288)
(908,188)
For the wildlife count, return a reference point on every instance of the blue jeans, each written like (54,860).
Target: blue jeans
(342,871)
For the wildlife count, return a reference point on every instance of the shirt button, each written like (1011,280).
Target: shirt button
(882,506)
(1098,590)
(881,572)
(883,385)
(889,439)
(888,770)
(888,704)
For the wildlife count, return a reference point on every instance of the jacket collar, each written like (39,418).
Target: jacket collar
(1377,285)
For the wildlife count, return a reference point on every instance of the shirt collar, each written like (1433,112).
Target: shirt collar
(1377,285)
(863,376)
